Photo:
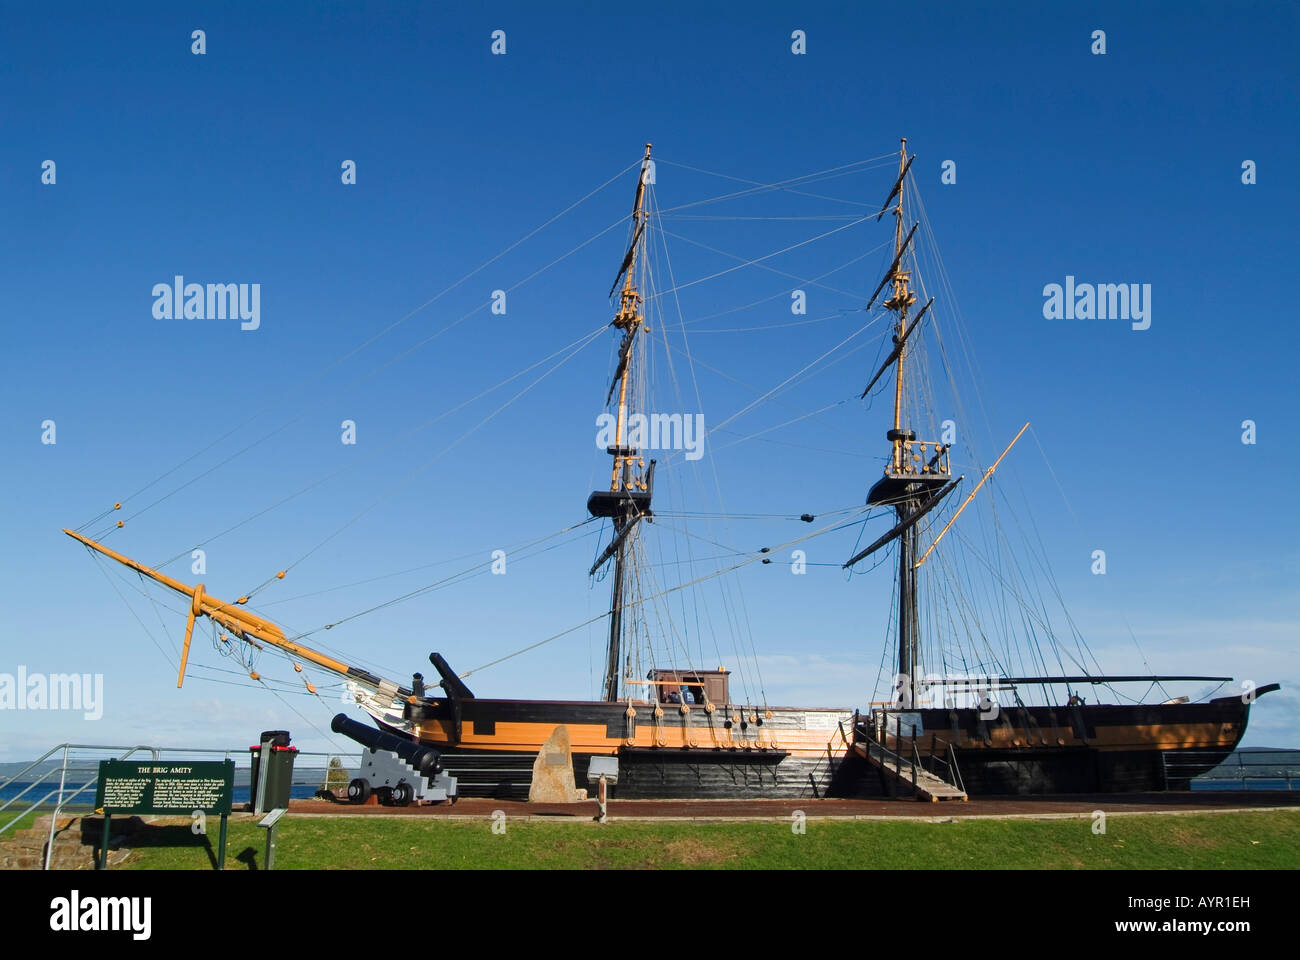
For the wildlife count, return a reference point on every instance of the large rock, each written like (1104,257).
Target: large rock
(553,771)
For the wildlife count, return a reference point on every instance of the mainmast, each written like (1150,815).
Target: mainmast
(918,474)
(628,497)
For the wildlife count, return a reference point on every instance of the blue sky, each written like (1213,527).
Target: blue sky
(225,167)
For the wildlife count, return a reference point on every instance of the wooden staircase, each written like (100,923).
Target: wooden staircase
(924,784)
(903,765)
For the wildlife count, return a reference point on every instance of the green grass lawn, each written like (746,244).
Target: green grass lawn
(1198,841)
(23,821)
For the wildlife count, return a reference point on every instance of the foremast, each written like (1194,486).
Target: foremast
(628,499)
(918,473)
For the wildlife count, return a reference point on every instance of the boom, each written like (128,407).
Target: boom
(242,624)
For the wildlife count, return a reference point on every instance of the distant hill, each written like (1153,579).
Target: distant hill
(90,767)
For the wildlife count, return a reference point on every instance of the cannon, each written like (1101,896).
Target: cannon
(389,762)
(425,760)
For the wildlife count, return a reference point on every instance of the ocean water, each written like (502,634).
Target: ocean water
(1225,783)
(1254,769)
(305,784)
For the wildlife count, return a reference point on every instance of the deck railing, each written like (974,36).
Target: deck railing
(1247,770)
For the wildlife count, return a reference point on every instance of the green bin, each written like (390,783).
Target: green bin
(273,759)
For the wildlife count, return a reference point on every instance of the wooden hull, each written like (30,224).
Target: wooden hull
(1099,748)
(665,753)
(661,775)
(787,752)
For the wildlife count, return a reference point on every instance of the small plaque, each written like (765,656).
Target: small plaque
(905,724)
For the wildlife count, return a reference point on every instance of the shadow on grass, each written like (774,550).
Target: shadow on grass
(153,835)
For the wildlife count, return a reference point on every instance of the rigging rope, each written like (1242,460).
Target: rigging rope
(784,185)
(601,616)
(307,381)
(758,261)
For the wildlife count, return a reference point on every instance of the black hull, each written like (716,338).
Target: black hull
(1025,751)
(675,775)
(671,775)
(1025,773)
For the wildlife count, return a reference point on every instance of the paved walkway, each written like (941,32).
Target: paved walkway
(1057,806)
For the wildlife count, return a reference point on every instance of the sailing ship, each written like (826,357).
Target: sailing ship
(680,731)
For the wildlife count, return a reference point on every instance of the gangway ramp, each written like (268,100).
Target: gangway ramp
(910,773)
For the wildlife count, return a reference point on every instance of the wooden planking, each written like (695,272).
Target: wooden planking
(785,731)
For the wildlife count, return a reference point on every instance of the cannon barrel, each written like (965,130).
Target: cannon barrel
(426,760)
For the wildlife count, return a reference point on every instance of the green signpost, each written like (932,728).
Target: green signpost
(179,789)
